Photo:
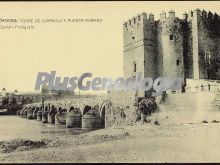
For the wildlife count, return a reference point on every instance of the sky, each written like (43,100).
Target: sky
(74,48)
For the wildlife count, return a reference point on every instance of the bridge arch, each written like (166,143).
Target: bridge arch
(71,108)
(86,109)
(105,105)
(46,108)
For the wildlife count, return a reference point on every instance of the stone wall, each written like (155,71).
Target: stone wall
(134,46)
(203,40)
(150,47)
(202,85)
(209,45)
(188,48)
(171,45)
(140,46)
(118,115)
(122,110)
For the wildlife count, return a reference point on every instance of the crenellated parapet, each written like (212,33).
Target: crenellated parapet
(134,20)
(130,23)
(203,15)
(209,16)
(169,23)
(170,15)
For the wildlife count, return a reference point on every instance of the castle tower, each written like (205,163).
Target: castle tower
(205,37)
(187,47)
(171,45)
(140,46)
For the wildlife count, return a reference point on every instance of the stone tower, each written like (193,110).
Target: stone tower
(140,43)
(205,36)
(187,47)
(170,41)
(140,46)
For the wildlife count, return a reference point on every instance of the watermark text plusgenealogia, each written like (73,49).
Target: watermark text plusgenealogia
(85,82)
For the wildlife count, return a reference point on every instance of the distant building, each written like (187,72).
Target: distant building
(3,93)
(55,94)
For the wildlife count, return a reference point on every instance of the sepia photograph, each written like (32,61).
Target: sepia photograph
(110,82)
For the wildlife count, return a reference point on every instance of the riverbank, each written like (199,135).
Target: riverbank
(184,133)
(141,143)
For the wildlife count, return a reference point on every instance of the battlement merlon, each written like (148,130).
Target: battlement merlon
(171,14)
(163,15)
(185,16)
(151,17)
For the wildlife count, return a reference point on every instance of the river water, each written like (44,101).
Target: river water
(15,127)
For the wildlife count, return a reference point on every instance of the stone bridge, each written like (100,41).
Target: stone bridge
(61,109)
